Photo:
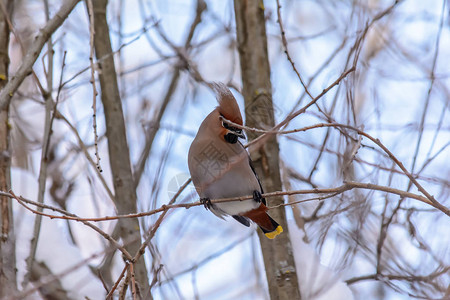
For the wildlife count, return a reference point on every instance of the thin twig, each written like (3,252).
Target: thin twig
(286,51)
(133,280)
(383,277)
(182,58)
(257,142)
(48,124)
(87,155)
(362,133)
(116,284)
(33,52)
(94,88)
(158,222)
(164,208)
(48,279)
(69,216)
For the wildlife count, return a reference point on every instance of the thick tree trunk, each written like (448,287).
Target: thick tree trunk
(8,285)
(257,92)
(119,156)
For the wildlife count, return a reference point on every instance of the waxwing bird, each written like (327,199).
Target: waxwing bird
(220,167)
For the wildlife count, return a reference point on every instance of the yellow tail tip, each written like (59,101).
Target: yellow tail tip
(273,234)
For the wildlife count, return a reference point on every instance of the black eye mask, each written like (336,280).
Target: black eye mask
(235,133)
(231,128)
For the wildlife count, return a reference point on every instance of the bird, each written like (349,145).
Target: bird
(221,167)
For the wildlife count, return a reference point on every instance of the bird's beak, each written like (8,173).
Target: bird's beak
(239,133)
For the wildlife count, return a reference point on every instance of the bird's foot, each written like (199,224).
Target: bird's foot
(206,203)
(257,196)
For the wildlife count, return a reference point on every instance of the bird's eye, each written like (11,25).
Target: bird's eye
(227,126)
(231,128)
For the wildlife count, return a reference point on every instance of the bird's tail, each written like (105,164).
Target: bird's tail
(268,225)
(274,230)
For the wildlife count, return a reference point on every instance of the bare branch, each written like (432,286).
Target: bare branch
(33,52)
(152,131)
(22,201)
(164,208)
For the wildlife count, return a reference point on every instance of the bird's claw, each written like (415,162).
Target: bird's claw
(257,196)
(206,202)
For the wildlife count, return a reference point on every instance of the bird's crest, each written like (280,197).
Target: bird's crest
(228,106)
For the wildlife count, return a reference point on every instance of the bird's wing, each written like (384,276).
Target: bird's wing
(250,162)
(241,219)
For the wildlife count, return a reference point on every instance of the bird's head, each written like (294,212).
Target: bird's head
(228,109)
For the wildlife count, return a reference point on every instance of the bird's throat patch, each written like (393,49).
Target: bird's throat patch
(231,138)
